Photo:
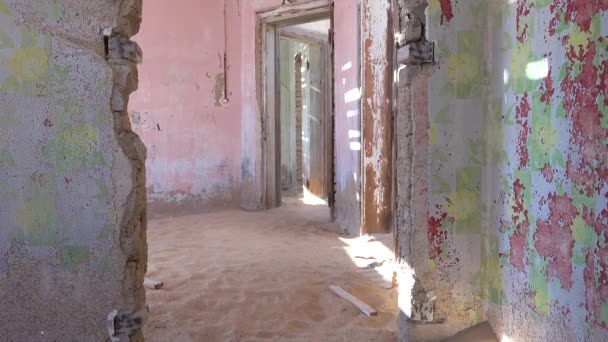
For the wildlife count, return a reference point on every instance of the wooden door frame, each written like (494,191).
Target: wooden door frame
(268,24)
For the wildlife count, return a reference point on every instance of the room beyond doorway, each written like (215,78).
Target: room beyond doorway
(305,110)
(296,82)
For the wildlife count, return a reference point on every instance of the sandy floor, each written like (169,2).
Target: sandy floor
(238,276)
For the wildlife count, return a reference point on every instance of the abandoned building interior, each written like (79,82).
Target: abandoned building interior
(304,170)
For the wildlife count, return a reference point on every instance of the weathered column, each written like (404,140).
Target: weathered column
(376,117)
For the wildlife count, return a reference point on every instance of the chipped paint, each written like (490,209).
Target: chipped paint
(376,118)
(529,124)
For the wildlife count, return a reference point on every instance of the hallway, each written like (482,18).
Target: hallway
(241,276)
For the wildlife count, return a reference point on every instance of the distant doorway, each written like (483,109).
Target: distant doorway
(296,79)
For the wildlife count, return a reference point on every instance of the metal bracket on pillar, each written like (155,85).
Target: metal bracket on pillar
(416,53)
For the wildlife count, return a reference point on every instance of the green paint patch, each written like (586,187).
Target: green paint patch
(464,66)
(560,112)
(6,159)
(558,159)
(442,117)
(603,109)
(8,117)
(583,234)
(440,186)
(539,282)
(28,64)
(563,25)
(38,218)
(73,147)
(73,256)
(16,235)
(4,8)
(542,3)
(491,272)
(509,117)
(521,56)
(559,189)
(544,135)
(439,155)
(604,313)
(96,159)
(580,198)
(6,42)
(562,72)
(57,11)
(578,258)
(465,204)
(493,135)
(578,40)
(103,190)
(10,83)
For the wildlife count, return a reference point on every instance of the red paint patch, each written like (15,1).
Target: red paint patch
(547,172)
(520,219)
(522,112)
(588,135)
(523,10)
(554,240)
(47,123)
(447,12)
(436,237)
(518,247)
(548,87)
(594,295)
(582,11)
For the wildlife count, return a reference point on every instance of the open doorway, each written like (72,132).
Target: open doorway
(305,110)
(297,103)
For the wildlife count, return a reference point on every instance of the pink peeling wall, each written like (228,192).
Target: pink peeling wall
(202,155)
(193,139)
(347,117)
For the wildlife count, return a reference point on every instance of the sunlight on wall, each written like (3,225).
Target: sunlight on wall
(537,70)
(352,95)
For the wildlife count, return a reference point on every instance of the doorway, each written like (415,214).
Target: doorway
(296,81)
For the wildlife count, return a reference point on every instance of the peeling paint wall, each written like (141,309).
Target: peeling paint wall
(347,118)
(517,180)
(72,198)
(202,155)
(376,117)
(193,138)
(547,154)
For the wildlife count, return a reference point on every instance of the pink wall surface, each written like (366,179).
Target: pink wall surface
(193,139)
(347,117)
(207,154)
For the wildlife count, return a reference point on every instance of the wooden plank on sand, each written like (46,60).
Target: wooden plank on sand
(340,292)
